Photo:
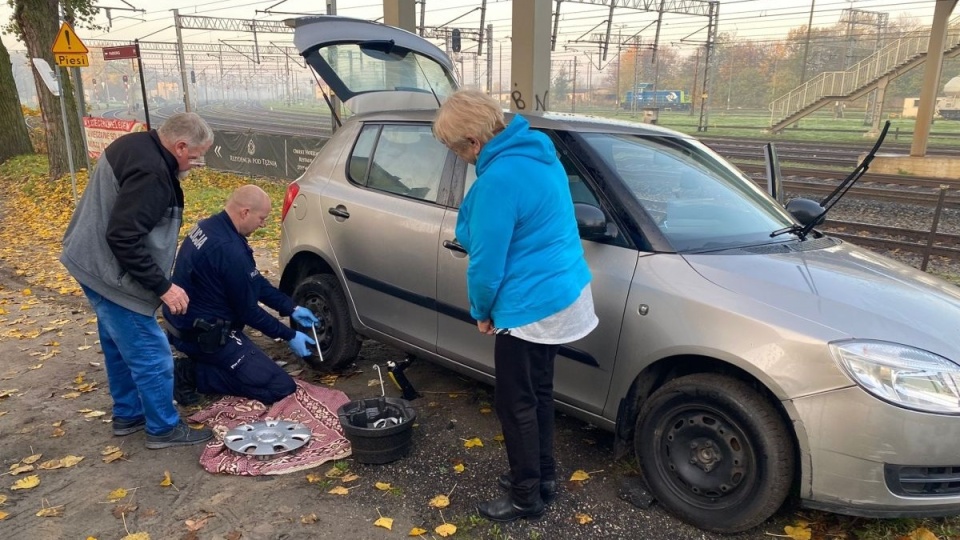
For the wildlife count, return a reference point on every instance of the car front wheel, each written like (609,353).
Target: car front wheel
(339,343)
(714,452)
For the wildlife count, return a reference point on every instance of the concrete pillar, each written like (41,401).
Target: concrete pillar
(931,76)
(530,65)
(400,13)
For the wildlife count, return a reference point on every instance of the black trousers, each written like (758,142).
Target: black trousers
(523,399)
(239,368)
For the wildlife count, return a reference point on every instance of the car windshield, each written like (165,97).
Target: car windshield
(698,200)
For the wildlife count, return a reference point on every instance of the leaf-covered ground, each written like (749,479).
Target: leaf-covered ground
(68,477)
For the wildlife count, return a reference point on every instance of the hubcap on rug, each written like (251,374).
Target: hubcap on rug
(267,439)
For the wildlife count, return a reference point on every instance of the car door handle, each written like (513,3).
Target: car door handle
(453,245)
(340,211)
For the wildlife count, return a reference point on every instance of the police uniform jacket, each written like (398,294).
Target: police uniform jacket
(215,267)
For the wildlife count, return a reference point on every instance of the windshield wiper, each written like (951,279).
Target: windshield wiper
(793,229)
(827,203)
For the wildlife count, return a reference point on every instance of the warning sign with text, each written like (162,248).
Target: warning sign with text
(103,131)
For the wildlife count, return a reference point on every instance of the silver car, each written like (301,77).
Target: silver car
(740,365)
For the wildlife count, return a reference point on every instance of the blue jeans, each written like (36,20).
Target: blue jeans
(139,364)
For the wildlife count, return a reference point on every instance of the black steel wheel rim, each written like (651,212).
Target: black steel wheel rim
(704,457)
(318,304)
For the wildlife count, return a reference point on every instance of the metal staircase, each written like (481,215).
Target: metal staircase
(889,62)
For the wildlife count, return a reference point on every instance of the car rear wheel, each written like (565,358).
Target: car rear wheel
(714,452)
(339,343)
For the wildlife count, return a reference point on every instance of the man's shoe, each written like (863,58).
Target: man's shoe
(180,435)
(548,488)
(184,381)
(127,426)
(505,510)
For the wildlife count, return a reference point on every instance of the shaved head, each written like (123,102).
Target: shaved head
(248,196)
(248,207)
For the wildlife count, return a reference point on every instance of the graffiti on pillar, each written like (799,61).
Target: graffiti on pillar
(540,103)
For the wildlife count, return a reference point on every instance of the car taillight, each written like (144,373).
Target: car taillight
(292,191)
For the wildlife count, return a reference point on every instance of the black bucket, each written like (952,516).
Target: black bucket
(379,429)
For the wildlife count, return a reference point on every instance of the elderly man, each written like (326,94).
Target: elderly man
(216,268)
(120,246)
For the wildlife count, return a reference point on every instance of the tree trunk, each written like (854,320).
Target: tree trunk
(37,20)
(14,140)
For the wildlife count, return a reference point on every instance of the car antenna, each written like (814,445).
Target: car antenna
(847,183)
(326,98)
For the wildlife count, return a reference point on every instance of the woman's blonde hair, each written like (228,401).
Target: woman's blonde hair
(468,114)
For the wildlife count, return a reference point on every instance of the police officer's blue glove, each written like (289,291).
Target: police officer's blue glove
(299,344)
(304,317)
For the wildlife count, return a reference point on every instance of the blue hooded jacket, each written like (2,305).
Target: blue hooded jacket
(518,227)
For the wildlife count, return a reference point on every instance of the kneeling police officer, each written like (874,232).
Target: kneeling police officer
(215,267)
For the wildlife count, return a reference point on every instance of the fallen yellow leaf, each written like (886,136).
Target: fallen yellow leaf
(71,395)
(313,478)
(800,532)
(199,523)
(27,292)
(17,468)
(8,393)
(334,472)
(70,461)
(109,450)
(137,536)
(58,432)
(921,533)
(31,459)
(3,499)
(498,437)
(470,443)
(166,482)
(446,529)
(116,495)
(309,518)
(3,515)
(28,482)
(417,531)
(339,490)
(485,410)
(385,522)
(94,414)
(51,511)
(458,468)
(583,519)
(382,486)
(440,501)
(579,476)
(349,478)
(112,457)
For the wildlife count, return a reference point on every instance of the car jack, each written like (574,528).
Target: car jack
(395,372)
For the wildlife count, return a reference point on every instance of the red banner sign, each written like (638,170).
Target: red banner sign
(120,52)
(103,131)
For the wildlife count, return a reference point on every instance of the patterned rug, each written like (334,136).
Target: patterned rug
(314,406)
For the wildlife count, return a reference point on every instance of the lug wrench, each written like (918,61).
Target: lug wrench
(316,341)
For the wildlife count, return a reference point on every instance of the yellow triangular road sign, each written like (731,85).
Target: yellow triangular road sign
(67,42)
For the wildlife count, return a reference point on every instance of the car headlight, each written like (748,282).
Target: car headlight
(905,376)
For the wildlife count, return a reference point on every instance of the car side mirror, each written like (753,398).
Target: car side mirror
(591,221)
(806,211)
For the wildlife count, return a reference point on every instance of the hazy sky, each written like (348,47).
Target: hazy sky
(753,19)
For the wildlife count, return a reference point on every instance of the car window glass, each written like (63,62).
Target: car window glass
(360,158)
(698,201)
(408,161)
(368,67)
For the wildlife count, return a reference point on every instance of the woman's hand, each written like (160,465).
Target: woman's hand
(485,327)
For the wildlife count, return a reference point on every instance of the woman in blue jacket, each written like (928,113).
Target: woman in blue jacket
(527,282)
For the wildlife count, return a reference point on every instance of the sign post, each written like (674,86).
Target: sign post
(123,52)
(68,51)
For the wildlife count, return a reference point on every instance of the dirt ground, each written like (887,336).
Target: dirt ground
(52,372)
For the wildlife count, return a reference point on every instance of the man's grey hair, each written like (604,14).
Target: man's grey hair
(187,127)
